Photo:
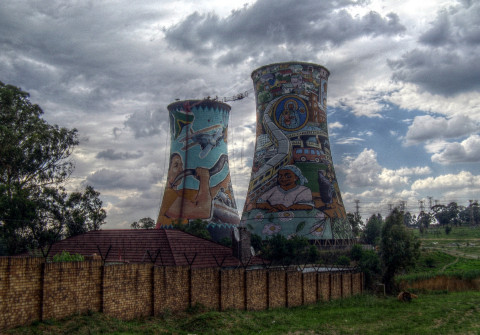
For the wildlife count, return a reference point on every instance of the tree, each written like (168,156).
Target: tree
(144,223)
(409,219)
(373,229)
(34,166)
(470,214)
(295,250)
(356,223)
(399,249)
(447,215)
(84,212)
(195,227)
(424,220)
(368,262)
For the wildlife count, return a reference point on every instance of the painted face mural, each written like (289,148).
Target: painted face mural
(198,178)
(293,188)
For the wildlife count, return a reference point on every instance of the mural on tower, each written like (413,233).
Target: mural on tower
(293,188)
(198,179)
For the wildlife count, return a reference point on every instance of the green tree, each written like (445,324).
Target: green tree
(196,227)
(356,222)
(144,223)
(296,250)
(470,214)
(369,263)
(34,166)
(448,215)
(399,249)
(84,212)
(409,219)
(424,220)
(373,229)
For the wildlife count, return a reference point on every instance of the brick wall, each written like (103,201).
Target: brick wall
(206,287)
(171,279)
(309,288)
(294,289)
(232,289)
(277,289)
(127,290)
(256,290)
(32,290)
(20,291)
(71,288)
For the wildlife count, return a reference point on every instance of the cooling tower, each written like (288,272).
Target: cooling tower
(198,182)
(293,188)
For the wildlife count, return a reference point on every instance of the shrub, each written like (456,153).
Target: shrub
(65,256)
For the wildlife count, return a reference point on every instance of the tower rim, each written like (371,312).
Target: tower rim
(291,63)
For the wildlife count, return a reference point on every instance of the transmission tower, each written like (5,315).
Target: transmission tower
(357,207)
(430,202)
(422,208)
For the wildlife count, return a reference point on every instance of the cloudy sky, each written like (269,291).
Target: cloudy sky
(403,109)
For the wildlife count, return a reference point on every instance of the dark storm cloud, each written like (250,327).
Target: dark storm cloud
(83,54)
(145,123)
(110,154)
(108,179)
(266,25)
(447,61)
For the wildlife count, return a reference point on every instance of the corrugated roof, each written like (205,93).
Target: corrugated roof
(173,247)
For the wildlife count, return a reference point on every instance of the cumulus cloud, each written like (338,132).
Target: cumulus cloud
(362,170)
(467,151)
(463,179)
(335,125)
(446,61)
(427,127)
(365,171)
(248,32)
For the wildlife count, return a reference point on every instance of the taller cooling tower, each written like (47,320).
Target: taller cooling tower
(293,188)
(198,179)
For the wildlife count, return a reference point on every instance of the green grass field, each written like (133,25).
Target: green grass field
(432,313)
(455,254)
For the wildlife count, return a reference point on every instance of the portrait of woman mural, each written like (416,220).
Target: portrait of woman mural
(289,194)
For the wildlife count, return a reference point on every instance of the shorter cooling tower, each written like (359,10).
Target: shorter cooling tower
(198,182)
(293,189)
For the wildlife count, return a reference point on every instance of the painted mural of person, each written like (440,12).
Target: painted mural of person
(187,203)
(289,194)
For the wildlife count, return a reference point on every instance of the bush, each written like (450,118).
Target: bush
(356,252)
(343,261)
(280,250)
(65,256)
(368,262)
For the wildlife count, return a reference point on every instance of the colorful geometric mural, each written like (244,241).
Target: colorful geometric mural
(198,178)
(293,188)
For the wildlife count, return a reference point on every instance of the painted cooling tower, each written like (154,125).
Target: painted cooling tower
(293,188)
(198,179)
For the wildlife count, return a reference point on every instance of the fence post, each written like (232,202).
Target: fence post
(153,289)
(286,288)
(245,288)
(102,288)
(42,291)
(341,285)
(329,286)
(220,307)
(303,288)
